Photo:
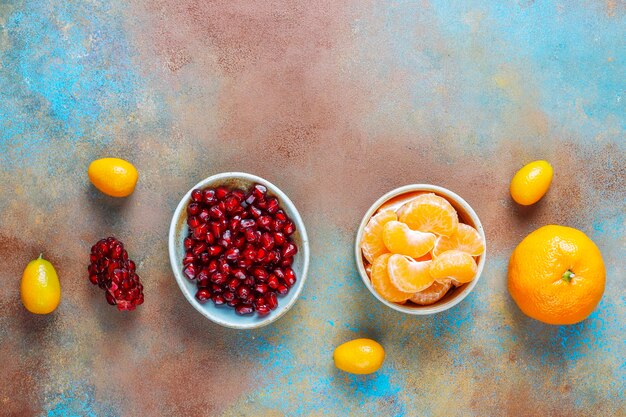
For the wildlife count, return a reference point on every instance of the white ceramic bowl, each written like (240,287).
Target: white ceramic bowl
(466,215)
(225,315)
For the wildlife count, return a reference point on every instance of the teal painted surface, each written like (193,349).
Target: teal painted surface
(336,104)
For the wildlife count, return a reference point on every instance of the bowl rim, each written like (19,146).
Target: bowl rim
(433,308)
(295,216)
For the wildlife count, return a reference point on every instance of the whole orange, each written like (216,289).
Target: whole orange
(556,275)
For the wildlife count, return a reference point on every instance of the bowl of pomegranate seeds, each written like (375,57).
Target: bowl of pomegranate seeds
(239,250)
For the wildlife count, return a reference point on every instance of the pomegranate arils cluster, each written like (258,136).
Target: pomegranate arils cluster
(239,249)
(111,270)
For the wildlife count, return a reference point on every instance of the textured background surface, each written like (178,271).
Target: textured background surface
(336,102)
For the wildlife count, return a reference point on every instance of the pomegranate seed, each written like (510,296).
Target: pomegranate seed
(261,203)
(190,271)
(215,250)
(217,288)
(200,231)
(261,254)
(255,212)
(259,191)
(196,195)
(246,223)
(221,193)
(189,258)
(226,239)
(199,248)
(204,258)
(215,229)
(289,228)
(279,238)
(264,222)
(234,224)
(203,283)
(243,291)
(218,299)
(290,277)
(212,265)
(228,295)
(239,273)
(267,241)
(216,213)
(203,295)
(193,222)
(250,253)
(249,300)
(209,238)
(187,243)
(244,263)
(209,196)
(289,250)
(218,278)
(279,273)
(232,254)
(277,225)
(260,273)
(238,194)
(272,282)
(243,309)
(261,288)
(263,310)
(204,215)
(280,215)
(239,242)
(223,267)
(287,262)
(282,289)
(272,301)
(193,209)
(232,303)
(231,204)
(272,205)
(233,284)
(249,281)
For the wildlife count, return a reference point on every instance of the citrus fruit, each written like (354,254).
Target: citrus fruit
(430,213)
(382,284)
(113,176)
(556,275)
(531,182)
(372,243)
(40,288)
(455,265)
(359,356)
(466,239)
(399,238)
(432,294)
(408,275)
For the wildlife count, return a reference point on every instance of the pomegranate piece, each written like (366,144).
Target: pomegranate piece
(238,250)
(112,271)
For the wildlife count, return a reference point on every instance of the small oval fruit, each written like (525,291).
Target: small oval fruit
(113,176)
(531,182)
(359,356)
(40,288)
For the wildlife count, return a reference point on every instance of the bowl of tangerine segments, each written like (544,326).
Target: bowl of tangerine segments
(420,249)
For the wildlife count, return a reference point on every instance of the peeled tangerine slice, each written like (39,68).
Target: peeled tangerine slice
(408,275)
(466,239)
(432,294)
(455,265)
(372,243)
(430,213)
(399,238)
(382,284)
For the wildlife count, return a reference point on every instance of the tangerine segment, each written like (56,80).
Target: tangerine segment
(455,265)
(408,275)
(399,238)
(382,284)
(432,294)
(431,213)
(372,243)
(466,239)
